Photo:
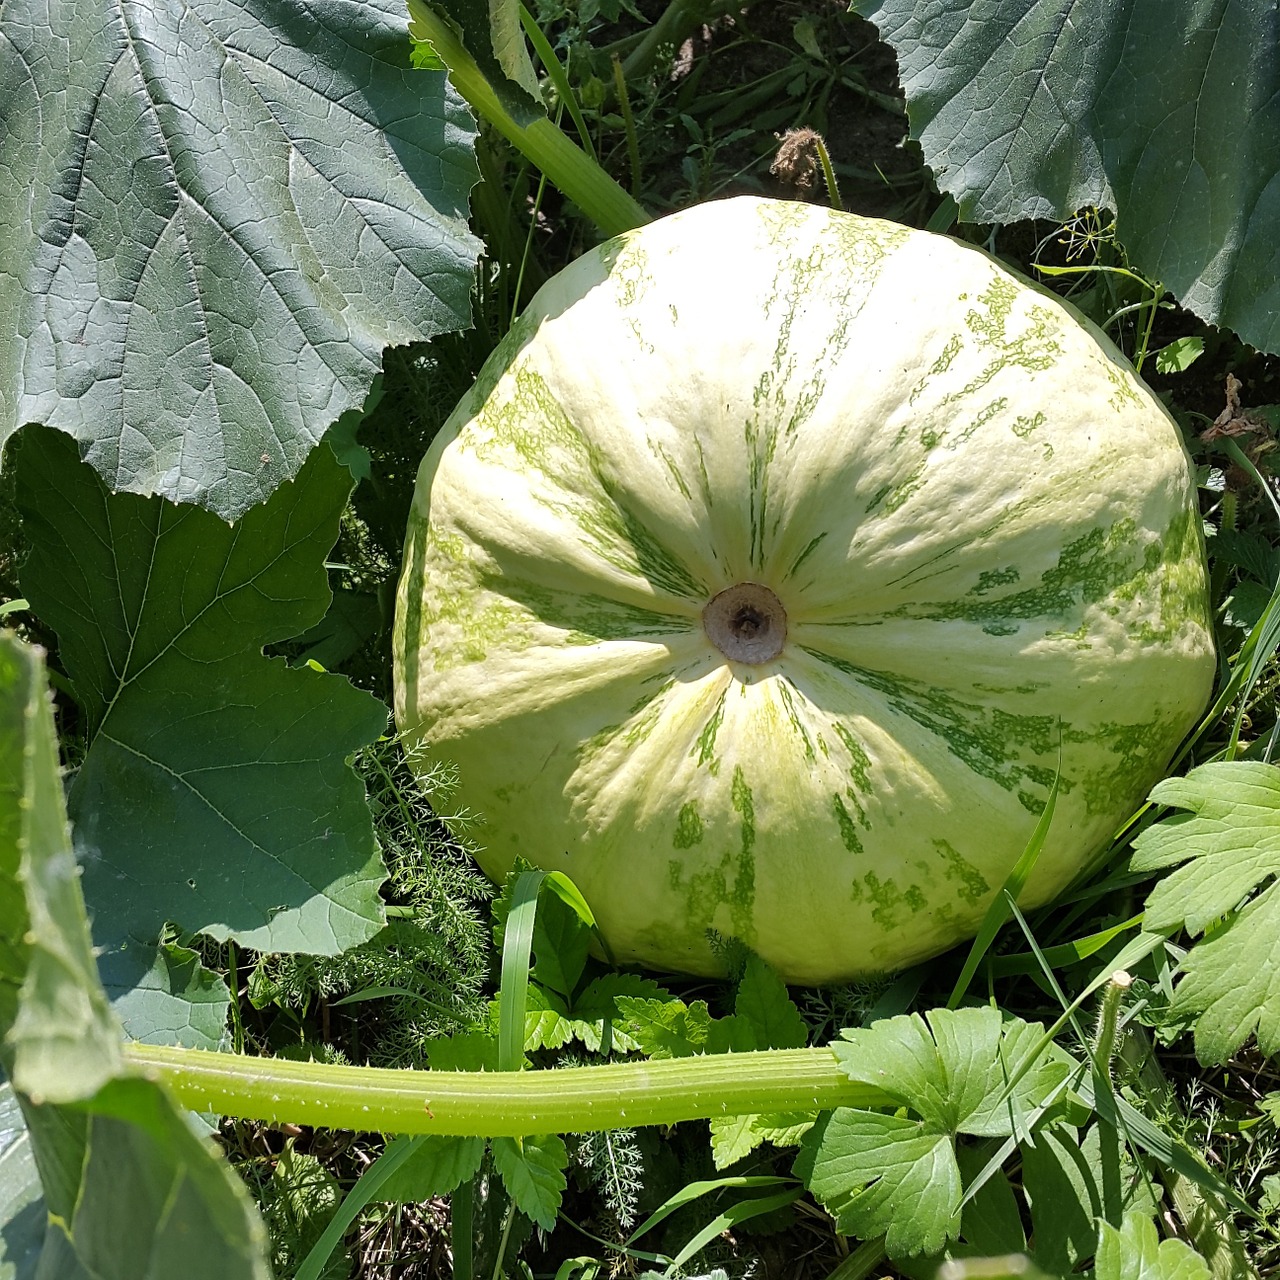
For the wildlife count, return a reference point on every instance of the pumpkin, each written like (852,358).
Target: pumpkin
(775,566)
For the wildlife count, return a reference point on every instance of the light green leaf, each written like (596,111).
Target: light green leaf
(952,1072)
(1037,108)
(765,1018)
(665,1028)
(471,1051)
(491,31)
(1009,1266)
(890,1176)
(1179,355)
(733,1137)
(1231,981)
(898,1174)
(216,791)
(532,1171)
(547,1024)
(596,1019)
(436,1166)
(1225,848)
(218,214)
(58,1039)
(1135,1252)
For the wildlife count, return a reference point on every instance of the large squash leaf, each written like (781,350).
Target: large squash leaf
(216,216)
(1168,114)
(216,791)
(119,1166)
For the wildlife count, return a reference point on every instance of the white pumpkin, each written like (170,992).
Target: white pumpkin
(775,563)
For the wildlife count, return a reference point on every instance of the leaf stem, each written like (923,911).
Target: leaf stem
(503,1103)
(574,172)
(1104,1041)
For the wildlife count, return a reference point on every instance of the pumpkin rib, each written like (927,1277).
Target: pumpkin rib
(981,529)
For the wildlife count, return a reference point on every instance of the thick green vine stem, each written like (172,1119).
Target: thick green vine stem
(566,165)
(503,1103)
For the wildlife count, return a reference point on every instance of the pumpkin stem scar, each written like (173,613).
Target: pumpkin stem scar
(747,623)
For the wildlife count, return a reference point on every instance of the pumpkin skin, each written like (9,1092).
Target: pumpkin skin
(980,525)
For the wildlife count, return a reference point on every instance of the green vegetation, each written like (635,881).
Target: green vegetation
(220,887)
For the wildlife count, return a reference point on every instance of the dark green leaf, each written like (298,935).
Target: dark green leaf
(353,617)
(302,1198)
(990,1222)
(148,1179)
(532,1171)
(218,214)
(490,30)
(1168,114)
(1063,1185)
(733,1034)
(763,1001)
(216,791)
(560,943)
(164,995)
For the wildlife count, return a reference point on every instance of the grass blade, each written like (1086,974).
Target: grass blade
(517,953)
(999,910)
(740,1212)
(364,1192)
(693,1191)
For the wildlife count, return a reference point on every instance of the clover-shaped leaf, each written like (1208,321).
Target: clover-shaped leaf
(898,1175)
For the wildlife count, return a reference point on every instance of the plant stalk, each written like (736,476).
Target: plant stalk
(502,1103)
(566,165)
(1208,1222)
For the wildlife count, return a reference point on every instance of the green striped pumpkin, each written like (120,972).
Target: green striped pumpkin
(769,570)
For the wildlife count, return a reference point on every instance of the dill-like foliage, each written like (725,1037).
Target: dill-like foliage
(613,1165)
(424,974)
